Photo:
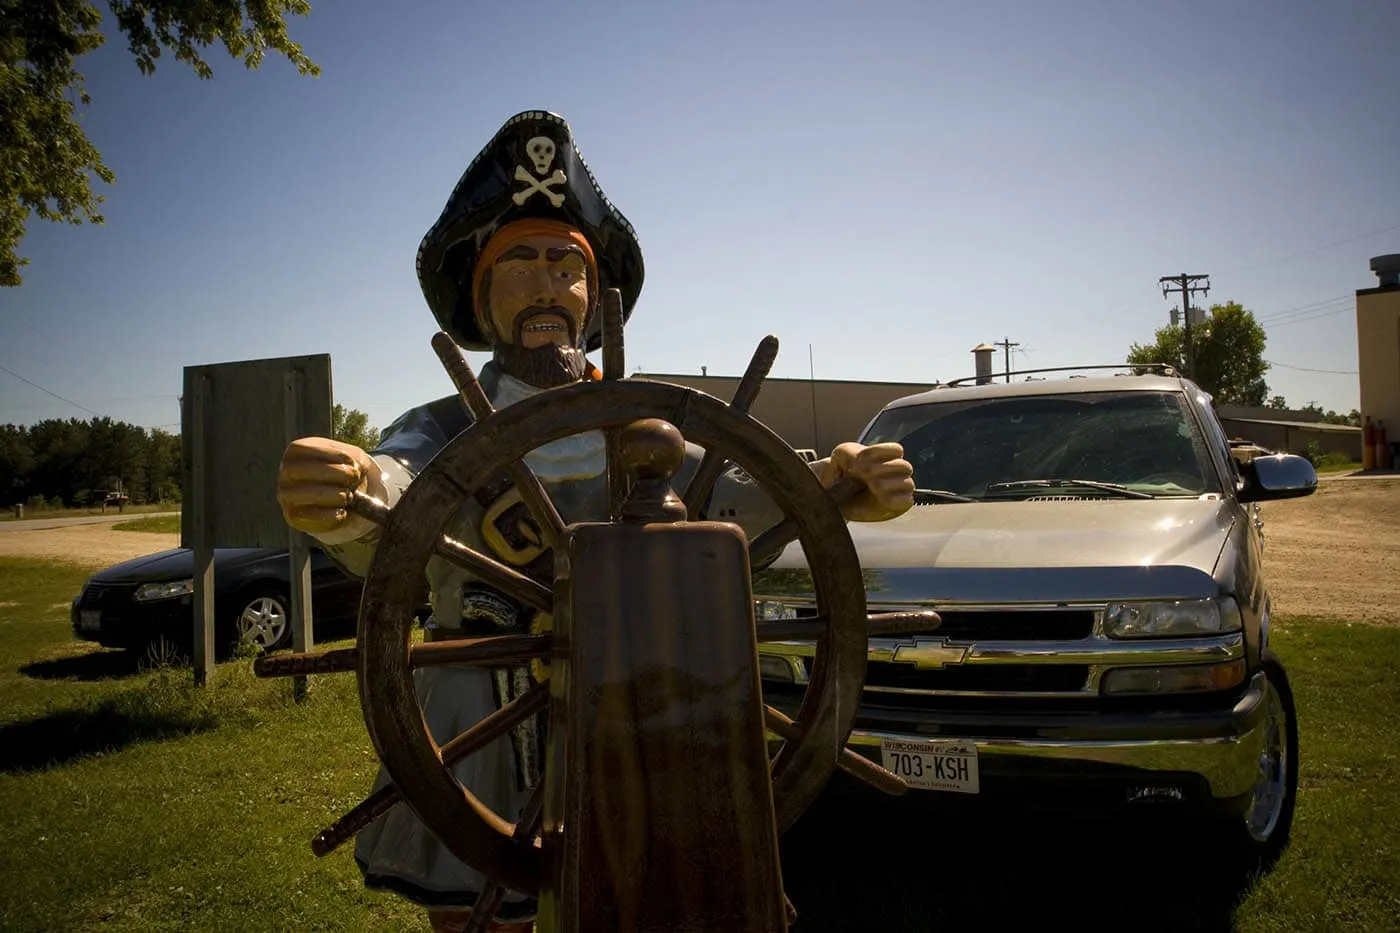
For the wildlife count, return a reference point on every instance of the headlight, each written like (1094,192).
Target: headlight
(1172,619)
(767,610)
(149,591)
(781,667)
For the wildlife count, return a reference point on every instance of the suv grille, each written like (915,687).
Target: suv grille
(985,678)
(1014,625)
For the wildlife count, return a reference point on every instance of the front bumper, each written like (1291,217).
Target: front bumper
(121,622)
(1207,755)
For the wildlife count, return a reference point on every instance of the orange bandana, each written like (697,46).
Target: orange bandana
(512,233)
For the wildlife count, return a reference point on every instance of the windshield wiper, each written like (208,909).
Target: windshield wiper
(928,496)
(1116,488)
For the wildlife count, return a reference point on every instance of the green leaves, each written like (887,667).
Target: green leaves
(1229,354)
(47,162)
(351,426)
(247,29)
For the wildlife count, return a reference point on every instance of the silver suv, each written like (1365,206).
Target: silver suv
(1091,546)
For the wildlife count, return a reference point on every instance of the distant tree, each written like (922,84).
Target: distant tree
(1279,402)
(46,160)
(351,426)
(71,461)
(16,463)
(1329,416)
(1229,354)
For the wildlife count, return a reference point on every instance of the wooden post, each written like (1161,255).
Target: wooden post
(237,420)
(203,642)
(300,608)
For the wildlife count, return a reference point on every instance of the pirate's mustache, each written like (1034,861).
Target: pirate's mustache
(533,313)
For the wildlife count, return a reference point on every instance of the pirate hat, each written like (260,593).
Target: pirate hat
(530,169)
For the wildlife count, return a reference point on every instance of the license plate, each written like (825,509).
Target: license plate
(934,764)
(90,620)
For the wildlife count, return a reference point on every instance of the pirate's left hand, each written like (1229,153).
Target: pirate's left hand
(888,479)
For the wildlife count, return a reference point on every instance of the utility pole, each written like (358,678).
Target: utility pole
(1006,344)
(1186,284)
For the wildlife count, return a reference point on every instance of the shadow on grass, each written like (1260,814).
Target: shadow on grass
(95,665)
(852,868)
(154,711)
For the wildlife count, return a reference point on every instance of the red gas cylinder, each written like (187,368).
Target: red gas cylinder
(1368,445)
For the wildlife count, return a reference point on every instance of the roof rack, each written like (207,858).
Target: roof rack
(1166,369)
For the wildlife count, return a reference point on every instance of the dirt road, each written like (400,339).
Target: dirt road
(1335,553)
(90,544)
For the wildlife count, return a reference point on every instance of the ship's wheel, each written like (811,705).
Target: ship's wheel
(630,412)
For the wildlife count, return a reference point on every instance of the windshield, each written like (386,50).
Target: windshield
(1146,442)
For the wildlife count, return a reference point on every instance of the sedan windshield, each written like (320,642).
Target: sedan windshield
(1070,445)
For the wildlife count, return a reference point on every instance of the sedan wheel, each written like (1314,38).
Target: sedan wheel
(263,623)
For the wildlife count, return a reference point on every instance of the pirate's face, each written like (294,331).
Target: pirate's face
(538,293)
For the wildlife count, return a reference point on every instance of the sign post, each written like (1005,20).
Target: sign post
(237,420)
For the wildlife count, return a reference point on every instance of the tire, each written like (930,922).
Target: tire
(1261,833)
(261,619)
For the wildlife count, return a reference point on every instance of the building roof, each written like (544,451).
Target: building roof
(1297,425)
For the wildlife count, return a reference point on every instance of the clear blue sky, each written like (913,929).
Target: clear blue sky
(890,183)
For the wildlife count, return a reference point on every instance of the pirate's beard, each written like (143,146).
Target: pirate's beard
(543,367)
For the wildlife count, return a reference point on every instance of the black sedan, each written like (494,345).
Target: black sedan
(149,600)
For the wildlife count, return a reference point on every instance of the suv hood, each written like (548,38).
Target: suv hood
(1086,550)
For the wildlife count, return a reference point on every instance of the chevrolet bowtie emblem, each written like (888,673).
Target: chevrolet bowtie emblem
(924,653)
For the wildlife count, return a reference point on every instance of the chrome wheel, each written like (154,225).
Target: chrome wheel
(1271,787)
(263,623)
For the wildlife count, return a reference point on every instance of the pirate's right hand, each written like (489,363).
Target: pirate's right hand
(314,485)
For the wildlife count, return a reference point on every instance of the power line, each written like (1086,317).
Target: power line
(1304,320)
(1304,309)
(1308,369)
(54,394)
(1308,252)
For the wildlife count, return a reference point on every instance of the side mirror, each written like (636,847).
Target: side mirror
(1277,476)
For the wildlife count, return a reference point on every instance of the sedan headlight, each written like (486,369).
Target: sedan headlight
(1172,619)
(149,591)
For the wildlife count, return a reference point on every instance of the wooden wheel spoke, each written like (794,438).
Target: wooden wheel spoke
(300,664)
(483,733)
(474,398)
(857,766)
(489,901)
(769,544)
(878,625)
(508,581)
(702,483)
(489,569)
(489,651)
(614,368)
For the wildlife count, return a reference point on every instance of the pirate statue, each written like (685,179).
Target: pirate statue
(515,265)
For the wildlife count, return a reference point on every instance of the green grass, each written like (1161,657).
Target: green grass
(8,514)
(163,524)
(131,800)
(1345,465)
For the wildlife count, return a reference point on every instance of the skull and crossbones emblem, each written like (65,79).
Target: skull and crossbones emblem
(540,150)
(540,186)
